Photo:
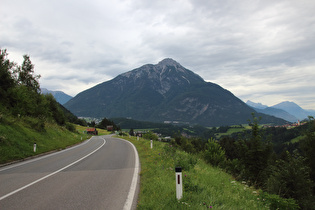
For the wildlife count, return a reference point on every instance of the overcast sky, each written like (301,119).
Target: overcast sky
(263,51)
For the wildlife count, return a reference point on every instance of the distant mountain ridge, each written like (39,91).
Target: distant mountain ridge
(60,96)
(256,105)
(287,110)
(163,92)
(293,109)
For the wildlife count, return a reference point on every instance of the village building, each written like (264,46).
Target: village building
(92,131)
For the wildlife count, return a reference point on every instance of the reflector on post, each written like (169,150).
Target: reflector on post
(34,147)
(179,183)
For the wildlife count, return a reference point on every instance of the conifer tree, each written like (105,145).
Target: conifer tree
(254,155)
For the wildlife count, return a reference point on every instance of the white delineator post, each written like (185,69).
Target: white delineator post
(179,183)
(34,148)
(151,144)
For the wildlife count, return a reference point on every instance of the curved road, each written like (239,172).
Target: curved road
(101,173)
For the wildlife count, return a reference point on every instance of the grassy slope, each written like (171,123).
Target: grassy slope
(17,139)
(205,186)
(233,130)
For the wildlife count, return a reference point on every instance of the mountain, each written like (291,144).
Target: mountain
(260,108)
(293,109)
(60,96)
(163,92)
(286,110)
(256,105)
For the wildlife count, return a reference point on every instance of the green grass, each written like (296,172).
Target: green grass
(17,138)
(295,140)
(204,186)
(234,129)
(18,135)
(82,129)
(230,131)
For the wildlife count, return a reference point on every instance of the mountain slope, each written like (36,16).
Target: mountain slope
(260,108)
(60,96)
(256,105)
(277,113)
(293,109)
(163,92)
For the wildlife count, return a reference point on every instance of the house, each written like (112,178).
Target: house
(110,128)
(92,131)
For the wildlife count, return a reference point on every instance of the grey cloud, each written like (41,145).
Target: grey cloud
(228,42)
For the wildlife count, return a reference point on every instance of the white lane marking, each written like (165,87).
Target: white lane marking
(42,157)
(45,177)
(133,186)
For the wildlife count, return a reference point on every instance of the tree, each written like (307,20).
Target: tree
(290,178)
(55,110)
(131,132)
(26,75)
(6,78)
(307,146)
(228,144)
(254,155)
(106,122)
(214,154)
(150,136)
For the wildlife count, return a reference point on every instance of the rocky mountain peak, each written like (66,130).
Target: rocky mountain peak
(168,62)
(161,92)
(166,71)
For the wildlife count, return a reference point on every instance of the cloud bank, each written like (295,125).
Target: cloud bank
(259,50)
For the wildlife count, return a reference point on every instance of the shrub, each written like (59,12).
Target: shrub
(150,135)
(214,154)
(185,161)
(70,127)
(233,167)
(276,202)
(35,123)
(291,179)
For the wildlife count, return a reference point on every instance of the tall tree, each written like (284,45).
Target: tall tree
(307,146)
(254,155)
(26,75)
(6,77)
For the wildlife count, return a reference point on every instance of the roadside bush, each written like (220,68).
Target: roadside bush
(276,202)
(185,161)
(122,134)
(150,136)
(35,123)
(214,154)
(70,127)
(233,167)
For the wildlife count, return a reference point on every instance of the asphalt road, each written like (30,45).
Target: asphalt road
(101,173)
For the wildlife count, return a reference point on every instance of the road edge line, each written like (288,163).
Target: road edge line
(134,182)
(51,174)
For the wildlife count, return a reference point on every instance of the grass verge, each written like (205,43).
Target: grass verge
(17,139)
(204,186)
